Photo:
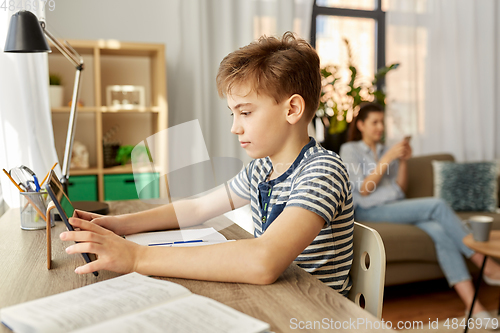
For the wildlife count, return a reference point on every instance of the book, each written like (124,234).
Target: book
(184,237)
(129,303)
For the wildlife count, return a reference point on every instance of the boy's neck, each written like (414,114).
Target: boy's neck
(286,156)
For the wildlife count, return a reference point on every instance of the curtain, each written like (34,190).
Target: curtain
(445,92)
(26,135)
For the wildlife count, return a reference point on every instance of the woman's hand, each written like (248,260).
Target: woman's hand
(401,150)
(395,152)
(407,152)
(113,223)
(113,252)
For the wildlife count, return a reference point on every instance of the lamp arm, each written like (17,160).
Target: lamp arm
(71,55)
(77,61)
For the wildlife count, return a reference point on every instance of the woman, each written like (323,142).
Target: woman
(379,178)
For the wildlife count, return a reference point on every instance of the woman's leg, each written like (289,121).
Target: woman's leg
(412,211)
(452,264)
(491,269)
(450,260)
(465,291)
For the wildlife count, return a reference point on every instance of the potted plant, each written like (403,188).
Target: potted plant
(339,99)
(56,91)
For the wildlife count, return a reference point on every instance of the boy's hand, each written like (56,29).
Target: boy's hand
(113,252)
(112,223)
(87,216)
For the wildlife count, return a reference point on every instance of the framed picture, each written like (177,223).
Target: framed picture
(125,97)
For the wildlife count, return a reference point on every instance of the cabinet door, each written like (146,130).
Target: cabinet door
(82,188)
(122,186)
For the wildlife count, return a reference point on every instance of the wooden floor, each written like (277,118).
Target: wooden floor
(430,301)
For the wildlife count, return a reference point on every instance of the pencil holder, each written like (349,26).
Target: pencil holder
(33,206)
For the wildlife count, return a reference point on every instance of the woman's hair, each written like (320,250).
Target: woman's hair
(365,108)
(275,67)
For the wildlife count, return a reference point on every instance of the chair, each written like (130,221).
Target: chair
(368,270)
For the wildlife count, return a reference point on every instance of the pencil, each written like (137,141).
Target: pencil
(13,181)
(48,173)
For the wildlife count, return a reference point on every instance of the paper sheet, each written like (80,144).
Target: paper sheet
(208,235)
(190,314)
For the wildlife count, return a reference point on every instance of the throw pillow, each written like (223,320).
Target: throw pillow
(467,186)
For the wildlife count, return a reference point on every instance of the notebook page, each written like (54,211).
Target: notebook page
(91,304)
(189,314)
(205,234)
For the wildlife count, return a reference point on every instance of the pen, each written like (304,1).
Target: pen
(177,242)
(48,173)
(13,181)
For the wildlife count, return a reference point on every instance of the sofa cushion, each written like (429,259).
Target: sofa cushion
(467,186)
(421,175)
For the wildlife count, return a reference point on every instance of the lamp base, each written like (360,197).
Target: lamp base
(96,207)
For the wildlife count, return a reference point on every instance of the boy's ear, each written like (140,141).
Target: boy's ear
(296,107)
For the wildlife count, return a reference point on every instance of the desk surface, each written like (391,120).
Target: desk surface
(490,248)
(296,296)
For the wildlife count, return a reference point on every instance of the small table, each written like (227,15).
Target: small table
(491,248)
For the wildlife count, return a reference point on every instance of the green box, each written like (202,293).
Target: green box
(82,188)
(122,186)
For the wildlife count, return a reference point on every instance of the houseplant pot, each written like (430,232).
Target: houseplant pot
(56,92)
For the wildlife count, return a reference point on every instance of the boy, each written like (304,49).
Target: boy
(300,193)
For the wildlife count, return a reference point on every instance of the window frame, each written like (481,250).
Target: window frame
(378,15)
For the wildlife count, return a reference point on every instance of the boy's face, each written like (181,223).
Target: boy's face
(259,122)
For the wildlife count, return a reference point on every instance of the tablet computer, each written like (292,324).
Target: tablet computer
(65,208)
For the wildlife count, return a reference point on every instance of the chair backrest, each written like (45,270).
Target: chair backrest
(368,269)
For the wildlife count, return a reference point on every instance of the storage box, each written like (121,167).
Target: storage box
(82,188)
(122,186)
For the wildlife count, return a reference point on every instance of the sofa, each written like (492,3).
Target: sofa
(410,252)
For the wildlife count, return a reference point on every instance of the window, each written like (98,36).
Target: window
(361,22)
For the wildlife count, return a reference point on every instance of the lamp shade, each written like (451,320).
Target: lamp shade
(25,34)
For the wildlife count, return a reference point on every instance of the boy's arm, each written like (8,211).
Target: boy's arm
(258,261)
(180,214)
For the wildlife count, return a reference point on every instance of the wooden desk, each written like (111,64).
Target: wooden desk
(490,248)
(296,294)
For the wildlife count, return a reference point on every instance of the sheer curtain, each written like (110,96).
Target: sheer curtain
(26,135)
(445,92)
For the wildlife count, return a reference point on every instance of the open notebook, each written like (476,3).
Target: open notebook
(184,237)
(129,303)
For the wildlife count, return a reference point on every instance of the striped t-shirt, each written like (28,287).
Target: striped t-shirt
(317,181)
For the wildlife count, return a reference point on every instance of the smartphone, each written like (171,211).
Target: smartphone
(65,208)
(407,138)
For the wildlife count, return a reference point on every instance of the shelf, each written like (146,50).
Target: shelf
(127,169)
(78,109)
(83,172)
(111,62)
(109,109)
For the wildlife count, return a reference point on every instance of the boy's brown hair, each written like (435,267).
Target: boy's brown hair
(277,68)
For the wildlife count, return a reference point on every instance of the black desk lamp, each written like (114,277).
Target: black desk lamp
(26,35)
